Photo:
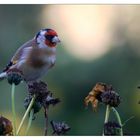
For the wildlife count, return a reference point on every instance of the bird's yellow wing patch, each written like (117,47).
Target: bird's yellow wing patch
(14,62)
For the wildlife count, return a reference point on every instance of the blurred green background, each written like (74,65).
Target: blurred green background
(100,43)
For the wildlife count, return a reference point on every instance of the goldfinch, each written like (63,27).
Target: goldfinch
(35,57)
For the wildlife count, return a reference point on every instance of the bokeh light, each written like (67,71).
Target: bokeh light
(84,29)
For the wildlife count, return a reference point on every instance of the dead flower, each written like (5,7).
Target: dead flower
(94,95)
(5,127)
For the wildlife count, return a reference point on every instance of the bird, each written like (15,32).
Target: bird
(35,57)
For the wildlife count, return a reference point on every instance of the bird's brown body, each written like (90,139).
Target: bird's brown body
(33,61)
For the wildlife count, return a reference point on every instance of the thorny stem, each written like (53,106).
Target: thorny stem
(25,115)
(13,108)
(107,115)
(119,119)
(29,122)
(46,119)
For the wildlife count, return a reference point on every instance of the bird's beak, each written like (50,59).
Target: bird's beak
(56,39)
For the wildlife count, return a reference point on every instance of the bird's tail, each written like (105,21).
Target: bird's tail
(3,75)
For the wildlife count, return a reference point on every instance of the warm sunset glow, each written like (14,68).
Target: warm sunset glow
(83,29)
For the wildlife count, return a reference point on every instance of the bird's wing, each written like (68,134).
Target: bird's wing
(21,53)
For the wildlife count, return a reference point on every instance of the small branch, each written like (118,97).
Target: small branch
(26,113)
(119,119)
(50,100)
(124,123)
(13,108)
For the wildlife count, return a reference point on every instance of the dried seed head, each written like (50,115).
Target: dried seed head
(43,96)
(95,95)
(38,88)
(14,76)
(111,128)
(110,98)
(59,128)
(5,127)
(50,100)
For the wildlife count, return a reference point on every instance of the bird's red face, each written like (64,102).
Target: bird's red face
(51,38)
(47,37)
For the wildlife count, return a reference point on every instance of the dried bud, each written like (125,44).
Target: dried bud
(5,127)
(36,106)
(14,76)
(110,98)
(59,127)
(51,100)
(111,129)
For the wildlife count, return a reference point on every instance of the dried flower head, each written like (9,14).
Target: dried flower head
(111,128)
(110,98)
(40,89)
(94,95)
(5,127)
(14,76)
(59,128)
(50,100)
(103,93)
(43,95)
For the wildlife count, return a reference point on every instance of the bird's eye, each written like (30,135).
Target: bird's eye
(49,37)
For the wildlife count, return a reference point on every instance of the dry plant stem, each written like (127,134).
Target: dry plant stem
(107,115)
(26,114)
(46,119)
(119,119)
(128,120)
(13,108)
(29,122)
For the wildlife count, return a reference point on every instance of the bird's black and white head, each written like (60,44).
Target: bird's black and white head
(47,37)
